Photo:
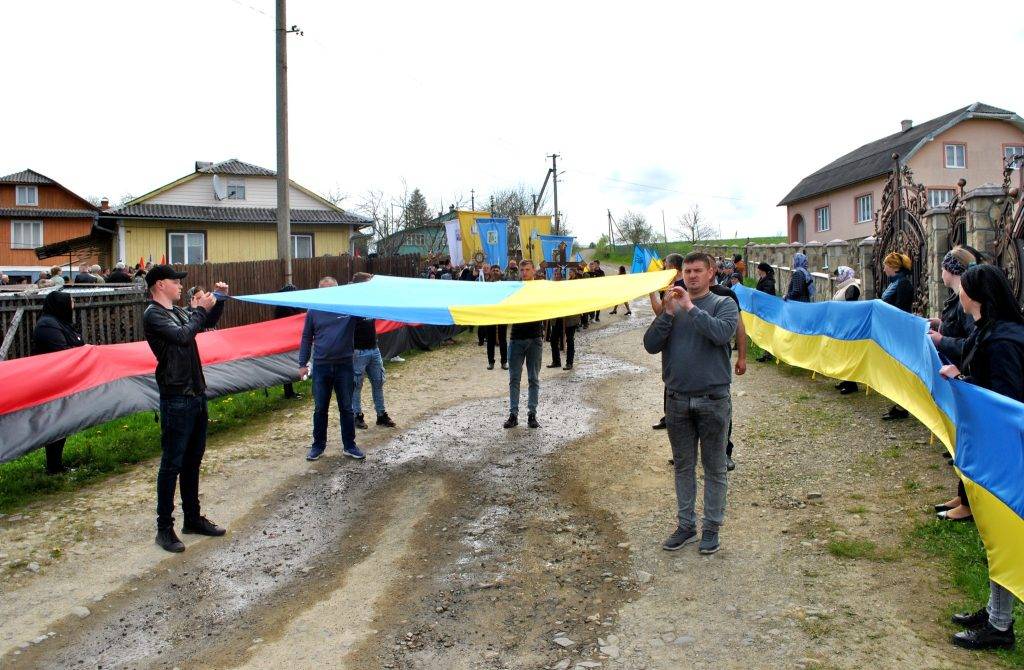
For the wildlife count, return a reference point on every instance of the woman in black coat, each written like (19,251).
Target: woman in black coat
(280,312)
(765,284)
(993,358)
(900,294)
(55,331)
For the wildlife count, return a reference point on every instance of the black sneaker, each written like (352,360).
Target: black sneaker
(985,637)
(730,464)
(708,542)
(554,365)
(679,539)
(168,540)
(490,366)
(504,366)
(895,414)
(512,421)
(531,420)
(971,619)
(202,526)
(660,425)
(385,420)
(361,422)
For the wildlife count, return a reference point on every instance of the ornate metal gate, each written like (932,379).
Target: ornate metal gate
(898,228)
(957,217)
(1009,243)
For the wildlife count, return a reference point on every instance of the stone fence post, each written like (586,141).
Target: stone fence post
(866,250)
(936,226)
(983,205)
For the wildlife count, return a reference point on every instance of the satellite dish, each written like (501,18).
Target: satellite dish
(220,189)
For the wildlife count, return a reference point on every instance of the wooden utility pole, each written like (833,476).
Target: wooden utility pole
(554,176)
(664,229)
(472,200)
(284,241)
(611,233)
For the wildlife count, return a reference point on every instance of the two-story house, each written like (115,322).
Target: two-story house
(226,212)
(36,211)
(839,200)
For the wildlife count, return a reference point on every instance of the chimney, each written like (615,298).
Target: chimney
(906,124)
(202,165)
(104,204)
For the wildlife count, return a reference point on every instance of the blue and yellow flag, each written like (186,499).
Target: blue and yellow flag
(441,302)
(887,349)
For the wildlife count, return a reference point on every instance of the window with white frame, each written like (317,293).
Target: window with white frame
(864,208)
(956,155)
(236,189)
(26,196)
(302,246)
(940,197)
(186,248)
(26,234)
(823,219)
(1014,150)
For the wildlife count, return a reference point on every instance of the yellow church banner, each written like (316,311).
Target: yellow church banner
(470,235)
(530,229)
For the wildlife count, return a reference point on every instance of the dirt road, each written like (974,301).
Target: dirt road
(457,544)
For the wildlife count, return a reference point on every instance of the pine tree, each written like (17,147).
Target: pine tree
(416,210)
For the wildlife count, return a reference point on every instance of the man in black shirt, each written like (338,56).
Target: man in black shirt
(171,333)
(596,271)
(367,361)
(526,344)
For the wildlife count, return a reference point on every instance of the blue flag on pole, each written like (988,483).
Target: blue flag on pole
(579,257)
(556,249)
(494,240)
(642,257)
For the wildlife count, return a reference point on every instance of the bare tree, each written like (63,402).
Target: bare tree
(693,227)
(336,196)
(633,228)
(379,209)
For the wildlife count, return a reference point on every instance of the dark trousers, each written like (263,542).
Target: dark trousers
(596,315)
(962,492)
(481,334)
(496,335)
(55,456)
(289,390)
(339,378)
(570,344)
(556,342)
(183,421)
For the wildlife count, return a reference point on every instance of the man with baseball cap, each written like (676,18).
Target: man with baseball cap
(171,333)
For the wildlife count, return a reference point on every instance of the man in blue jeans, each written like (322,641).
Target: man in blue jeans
(526,344)
(369,363)
(329,337)
(693,334)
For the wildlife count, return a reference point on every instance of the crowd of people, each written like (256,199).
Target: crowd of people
(120,273)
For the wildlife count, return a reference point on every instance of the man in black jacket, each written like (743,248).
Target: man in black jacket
(171,333)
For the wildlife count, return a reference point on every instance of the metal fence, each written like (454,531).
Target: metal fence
(112,313)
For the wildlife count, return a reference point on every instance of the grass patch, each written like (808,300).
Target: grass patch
(911,485)
(959,547)
(861,549)
(857,509)
(892,451)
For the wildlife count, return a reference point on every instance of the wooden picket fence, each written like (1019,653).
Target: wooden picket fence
(110,314)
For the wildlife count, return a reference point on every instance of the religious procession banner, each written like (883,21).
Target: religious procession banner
(453,232)
(876,344)
(471,244)
(531,227)
(494,239)
(557,250)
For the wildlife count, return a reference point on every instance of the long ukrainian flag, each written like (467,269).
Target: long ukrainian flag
(442,302)
(878,345)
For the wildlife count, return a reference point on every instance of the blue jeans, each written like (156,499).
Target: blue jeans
(368,362)
(528,351)
(183,422)
(705,420)
(1000,606)
(335,377)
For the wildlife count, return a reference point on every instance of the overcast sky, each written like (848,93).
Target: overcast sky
(653,107)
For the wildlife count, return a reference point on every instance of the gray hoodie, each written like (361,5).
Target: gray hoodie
(694,346)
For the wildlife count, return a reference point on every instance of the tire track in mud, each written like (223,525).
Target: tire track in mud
(519,538)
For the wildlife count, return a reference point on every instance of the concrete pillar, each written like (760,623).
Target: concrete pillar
(815,256)
(983,205)
(866,255)
(837,252)
(936,227)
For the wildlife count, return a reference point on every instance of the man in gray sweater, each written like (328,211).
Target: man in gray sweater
(693,335)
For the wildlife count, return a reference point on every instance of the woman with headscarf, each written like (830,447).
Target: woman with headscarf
(801,284)
(847,290)
(765,284)
(55,331)
(900,294)
(949,335)
(622,271)
(993,358)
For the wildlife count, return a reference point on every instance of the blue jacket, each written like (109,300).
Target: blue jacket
(331,333)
